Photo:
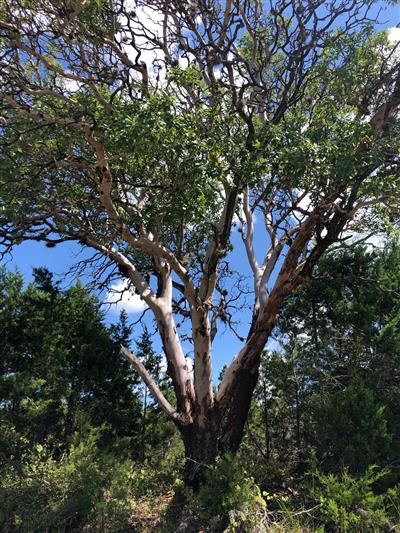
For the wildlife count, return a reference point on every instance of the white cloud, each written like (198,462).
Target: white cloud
(377,240)
(163,364)
(122,298)
(364,231)
(305,204)
(394,34)
(71,85)
(150,20)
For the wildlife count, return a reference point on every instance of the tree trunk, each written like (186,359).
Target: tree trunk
(201,446)
(220,432)
(236,410)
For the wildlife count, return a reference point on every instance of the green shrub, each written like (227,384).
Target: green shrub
(347,503)
(88,488)
(228,488)
(228,500)
(392,504)
(352,428)
(82,488)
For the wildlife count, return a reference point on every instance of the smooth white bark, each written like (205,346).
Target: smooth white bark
(151,384)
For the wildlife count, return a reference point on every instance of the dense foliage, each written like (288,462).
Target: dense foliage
(333,386)
(62,371)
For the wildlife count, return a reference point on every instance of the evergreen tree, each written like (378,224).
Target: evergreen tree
(61,367)
(333,387)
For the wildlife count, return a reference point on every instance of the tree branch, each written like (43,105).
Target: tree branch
(152,386)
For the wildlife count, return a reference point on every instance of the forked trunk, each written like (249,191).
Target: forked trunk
(221,431)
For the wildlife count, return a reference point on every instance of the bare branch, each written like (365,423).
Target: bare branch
(152,386)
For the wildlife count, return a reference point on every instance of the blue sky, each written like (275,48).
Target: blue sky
(58,260)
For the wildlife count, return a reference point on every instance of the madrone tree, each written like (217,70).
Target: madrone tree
(145,130)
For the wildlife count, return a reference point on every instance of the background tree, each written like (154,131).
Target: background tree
(54,383)
(143,132)
(340,350)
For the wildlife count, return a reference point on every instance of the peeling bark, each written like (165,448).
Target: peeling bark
(202,363)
